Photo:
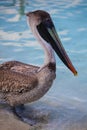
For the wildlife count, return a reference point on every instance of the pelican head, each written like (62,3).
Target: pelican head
(41,21)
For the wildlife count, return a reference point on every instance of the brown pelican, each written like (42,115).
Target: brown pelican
(22,83)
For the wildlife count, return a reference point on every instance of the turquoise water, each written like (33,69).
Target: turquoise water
(17,43)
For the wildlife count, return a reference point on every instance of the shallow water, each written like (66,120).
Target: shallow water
(65,105)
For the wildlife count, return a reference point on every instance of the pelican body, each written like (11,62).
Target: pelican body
(22,83)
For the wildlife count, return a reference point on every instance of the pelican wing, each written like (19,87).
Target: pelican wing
(19,67)
(14,82)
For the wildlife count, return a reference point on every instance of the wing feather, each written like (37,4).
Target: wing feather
(16,82)
(19,67)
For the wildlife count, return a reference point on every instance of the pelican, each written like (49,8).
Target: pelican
(22,83)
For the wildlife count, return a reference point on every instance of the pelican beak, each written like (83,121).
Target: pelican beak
(48,32)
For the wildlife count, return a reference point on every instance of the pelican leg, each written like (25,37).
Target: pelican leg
(17,110)
(21,107)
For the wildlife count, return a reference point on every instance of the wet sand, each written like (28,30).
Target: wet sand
(47,115)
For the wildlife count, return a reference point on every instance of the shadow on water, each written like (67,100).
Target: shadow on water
(46,116)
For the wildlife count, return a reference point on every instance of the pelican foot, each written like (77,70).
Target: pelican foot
(18,111)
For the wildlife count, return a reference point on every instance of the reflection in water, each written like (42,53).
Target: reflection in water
(21,7)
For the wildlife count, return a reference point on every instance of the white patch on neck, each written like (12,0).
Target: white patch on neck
(49,53)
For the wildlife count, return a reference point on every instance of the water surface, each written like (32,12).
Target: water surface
(65,105)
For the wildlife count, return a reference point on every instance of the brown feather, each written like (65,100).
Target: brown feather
(19,67)
(15,82)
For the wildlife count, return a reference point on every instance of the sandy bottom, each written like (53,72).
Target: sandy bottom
(46,115)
